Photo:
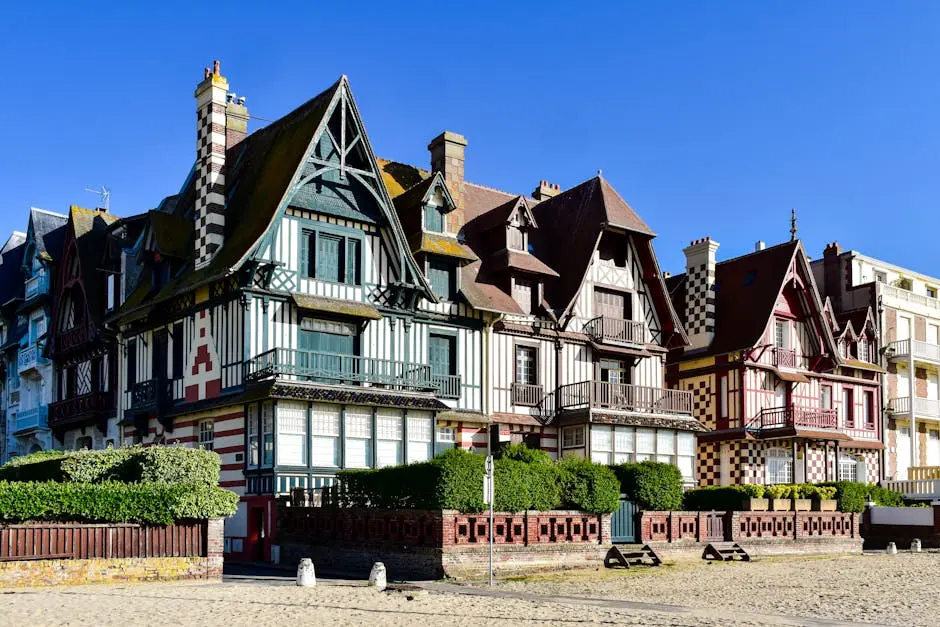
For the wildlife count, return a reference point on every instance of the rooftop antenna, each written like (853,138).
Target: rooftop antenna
(792,225)
(105,194)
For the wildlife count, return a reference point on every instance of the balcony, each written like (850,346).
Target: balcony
(149,395)
(28,359)
(32,419)
(615,331)
(922,407)
(794,417)
(916,489)
(623,397)
(526,394)
(79,408)
(786,358)
(288,363)
(903,350)
(75,337)
(36,286)
(907,296)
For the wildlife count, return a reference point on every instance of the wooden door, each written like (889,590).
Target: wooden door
(611,304)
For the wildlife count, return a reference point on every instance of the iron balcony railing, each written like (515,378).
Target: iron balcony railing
(623,396)
(33,418)
(76,408)
(924,351)
(793,416)
(926,407)
(149,394)
(526,394)
(28,358)
(338,369)
(616,331)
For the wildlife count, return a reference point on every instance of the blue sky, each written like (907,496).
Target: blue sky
(710,118)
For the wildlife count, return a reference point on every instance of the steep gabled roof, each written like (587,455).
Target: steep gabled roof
(48,231)
(90,228)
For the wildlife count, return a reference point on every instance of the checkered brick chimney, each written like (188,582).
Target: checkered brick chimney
(700,291)
(448,152)
(210,164)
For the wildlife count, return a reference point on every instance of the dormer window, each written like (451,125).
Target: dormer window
(516,238)
(433,219)
(863,353)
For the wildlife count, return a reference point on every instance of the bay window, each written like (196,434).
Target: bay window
(324,435)
(291,433)
(267,434)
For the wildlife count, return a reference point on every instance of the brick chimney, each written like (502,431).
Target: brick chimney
(236,120)
(700,291)
(447,157)
(210,164)
(833,286)
(546,190)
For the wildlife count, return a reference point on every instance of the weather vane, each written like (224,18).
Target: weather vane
(792,225)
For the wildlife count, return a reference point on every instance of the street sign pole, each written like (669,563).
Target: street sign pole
(489,496)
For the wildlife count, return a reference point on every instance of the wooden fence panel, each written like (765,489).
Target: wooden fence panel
(80,541)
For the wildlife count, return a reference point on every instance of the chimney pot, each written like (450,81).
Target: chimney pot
(545,190)
(760,245)
(216,67)
(448,153)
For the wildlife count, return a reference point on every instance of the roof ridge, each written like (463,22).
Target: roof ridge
(47,212)
(755,252)
(500,191)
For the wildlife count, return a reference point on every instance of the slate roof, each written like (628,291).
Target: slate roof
(90,228)
(11,274)
(48,232)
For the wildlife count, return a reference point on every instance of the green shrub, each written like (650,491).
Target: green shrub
(588,486)
(721,498)
(852,495)
(522,453)
(513,489)
(778,491)
(461,480)
(653,486)
(113,502)
(159,464)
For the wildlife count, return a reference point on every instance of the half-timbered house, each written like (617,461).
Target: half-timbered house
(11,293)
(27,419)
(576,317)
(273,310)
(82,414)
(788,390)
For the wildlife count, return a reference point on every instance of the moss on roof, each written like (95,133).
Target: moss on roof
(335,306)
(443,245)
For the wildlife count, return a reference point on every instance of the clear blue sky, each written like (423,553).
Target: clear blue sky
(710,118)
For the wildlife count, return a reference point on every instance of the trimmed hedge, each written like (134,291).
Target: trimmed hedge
(145,503)
(653,486)
(157,464)
(720,498)
(525,480)
(853,495)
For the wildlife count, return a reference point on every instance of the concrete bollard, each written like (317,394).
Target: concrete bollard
(306,576)
(915,545)
(377,578)
(892,549)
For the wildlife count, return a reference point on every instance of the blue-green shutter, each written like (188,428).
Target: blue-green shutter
(352,261)
(440,276)
(441,354)
(305,269)
(328,257)
(433,219)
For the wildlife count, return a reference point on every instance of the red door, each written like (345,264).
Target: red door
(255,541)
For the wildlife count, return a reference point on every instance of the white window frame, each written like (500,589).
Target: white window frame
(357,431)
(573,437)
(782,339)
(778,466)
(207,434)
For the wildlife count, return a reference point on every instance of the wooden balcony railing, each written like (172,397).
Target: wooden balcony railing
(793,416)
(78,408)
(615,331)
(623,396)
(786,358)
(75,337)
(349,370)
(526,394)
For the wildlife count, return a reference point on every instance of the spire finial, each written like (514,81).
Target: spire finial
(792,225)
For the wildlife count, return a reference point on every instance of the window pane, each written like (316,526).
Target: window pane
(601,439)
(328,256)
(622,458)
(358,437)
(525,365)
(666,442)
(645,441)
(522,294)
(623,440)
(600,458)
(324,425)
(685,464)
(686,444)
(388,446)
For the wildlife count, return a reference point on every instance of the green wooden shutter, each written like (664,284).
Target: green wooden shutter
(305,253)
(441,354)
(328,258)
(352,262)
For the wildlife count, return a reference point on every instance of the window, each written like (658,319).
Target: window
(848,407)
(110,284)
(572,437)
(420,436)
(852,469)
(329,257)
(779,465)
(666,446)
(868,410)
(863,350)
(523,291)
(178,355)
(207,434)
(723,396)
(931,292)
(358,437)
(526,360)
(291,433)
(446,439)
(782,334)
(253,450)
(83,443)
(324,435)
(441,277)
(131,364)
(433,219)
(515,238)
(267,434)
(825,397)
(442,354)
(645,444)
(685,455)
(881,277)
(388,447)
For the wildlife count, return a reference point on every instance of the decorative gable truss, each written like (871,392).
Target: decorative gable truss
(338,182)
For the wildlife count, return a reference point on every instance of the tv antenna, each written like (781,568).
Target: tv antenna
(105,194)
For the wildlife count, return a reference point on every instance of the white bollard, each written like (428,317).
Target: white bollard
(892,549)
(915,545)
(377,578)
(306,576)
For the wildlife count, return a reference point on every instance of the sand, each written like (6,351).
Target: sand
(893,590)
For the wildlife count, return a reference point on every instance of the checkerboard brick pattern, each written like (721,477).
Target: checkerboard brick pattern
(210,165)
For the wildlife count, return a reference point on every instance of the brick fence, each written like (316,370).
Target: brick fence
(60,553)
(762,533)
(433,544)
(901,525)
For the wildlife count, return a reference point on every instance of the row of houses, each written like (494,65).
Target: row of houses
(302,306)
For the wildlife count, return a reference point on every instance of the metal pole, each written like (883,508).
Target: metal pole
(490,477)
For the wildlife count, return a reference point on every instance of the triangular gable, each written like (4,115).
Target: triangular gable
(340,147)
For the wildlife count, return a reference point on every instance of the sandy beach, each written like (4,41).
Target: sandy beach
(880,589)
